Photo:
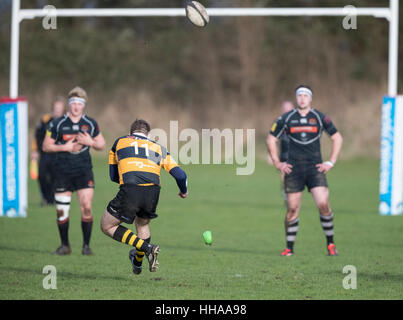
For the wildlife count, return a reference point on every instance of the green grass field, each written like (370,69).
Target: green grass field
(245,215)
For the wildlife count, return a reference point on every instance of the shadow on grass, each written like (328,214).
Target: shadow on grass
(235,251)
(378,276)
(385,276)
(63,274)
(20,249)
(238,203)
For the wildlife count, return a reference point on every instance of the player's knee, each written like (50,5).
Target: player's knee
(105,226)
(140,222)
(324,208)
(62,207)
(104,229)
(86,210)
(292,212)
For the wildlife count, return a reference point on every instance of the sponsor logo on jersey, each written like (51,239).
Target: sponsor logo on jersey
(273,128)
(76,127)
(304,121)
(67,137)
(304,129)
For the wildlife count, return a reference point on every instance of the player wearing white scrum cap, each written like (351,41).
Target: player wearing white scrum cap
(70,137)
(304,90)
(304,167)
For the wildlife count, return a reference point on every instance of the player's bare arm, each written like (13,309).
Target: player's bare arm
(50,146)
(283,167)
(269,159)
(337,142)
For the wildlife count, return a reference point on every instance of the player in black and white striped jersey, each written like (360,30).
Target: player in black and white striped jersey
(70,137)
(304,166)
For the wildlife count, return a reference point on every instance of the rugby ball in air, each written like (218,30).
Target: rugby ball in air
(197,14)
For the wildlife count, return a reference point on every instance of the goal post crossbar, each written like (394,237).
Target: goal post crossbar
(218,12)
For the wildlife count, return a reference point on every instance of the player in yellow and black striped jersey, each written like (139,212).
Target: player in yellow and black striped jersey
(135,162)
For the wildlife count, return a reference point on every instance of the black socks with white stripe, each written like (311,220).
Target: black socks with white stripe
(327,225)
(291,229)
(291,233)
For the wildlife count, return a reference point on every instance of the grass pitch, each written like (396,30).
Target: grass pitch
(245,215)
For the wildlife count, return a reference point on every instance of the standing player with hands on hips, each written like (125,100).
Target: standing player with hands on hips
(135,162)
(304,167)
(71,137)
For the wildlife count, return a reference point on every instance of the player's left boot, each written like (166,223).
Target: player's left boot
(137,266)
(331,248)
(287,253)
(87,250)
(63,250)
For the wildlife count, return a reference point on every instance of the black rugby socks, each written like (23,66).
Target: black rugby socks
(327,226)
(291,233)
(124,235)
(64,232)
(86,226)
(140,254)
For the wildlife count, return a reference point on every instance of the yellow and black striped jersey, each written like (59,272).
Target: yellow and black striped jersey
(135,159)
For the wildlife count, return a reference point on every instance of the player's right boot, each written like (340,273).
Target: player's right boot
(287,253)
(152,257)
(63,250)
(137,266)
(331,248)
(86,250)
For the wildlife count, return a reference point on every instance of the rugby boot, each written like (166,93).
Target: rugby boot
(63,250)
(152,257)
(87,250)
(137,266)
(287,253)
(331,248)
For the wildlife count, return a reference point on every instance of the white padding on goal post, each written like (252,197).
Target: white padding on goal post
(14,157)
(391,179)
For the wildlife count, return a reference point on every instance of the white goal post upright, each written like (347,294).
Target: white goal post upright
(391,14)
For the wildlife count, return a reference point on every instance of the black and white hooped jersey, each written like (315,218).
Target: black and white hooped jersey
(304,133)
(62,130)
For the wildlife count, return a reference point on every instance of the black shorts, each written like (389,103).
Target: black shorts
(304,174)
(73,181)
(132,201)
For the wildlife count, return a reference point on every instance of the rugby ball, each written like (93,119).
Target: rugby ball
(197,14)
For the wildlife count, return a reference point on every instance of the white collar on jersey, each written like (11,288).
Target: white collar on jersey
(139,134)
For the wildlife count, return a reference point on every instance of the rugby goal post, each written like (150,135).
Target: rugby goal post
(392,156)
